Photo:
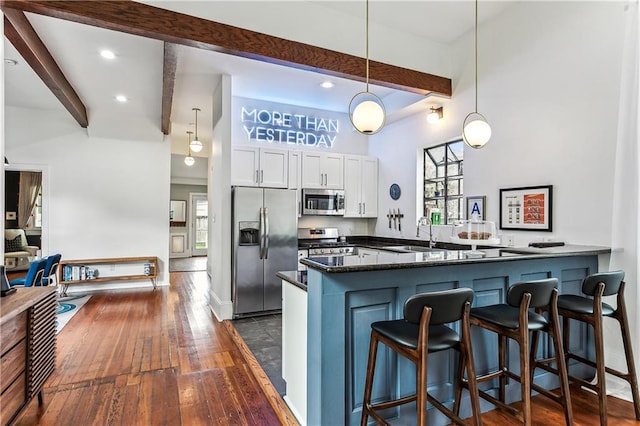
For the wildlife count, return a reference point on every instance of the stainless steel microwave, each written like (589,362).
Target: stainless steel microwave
(325,202)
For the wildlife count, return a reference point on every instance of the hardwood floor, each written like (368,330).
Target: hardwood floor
(160,358)
(150,357)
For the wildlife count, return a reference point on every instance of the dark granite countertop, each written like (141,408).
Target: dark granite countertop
(297,278)
(441,257)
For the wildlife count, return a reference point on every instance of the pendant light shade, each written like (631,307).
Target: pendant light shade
(476,131)
(366,110)
(196,145)
(189,160)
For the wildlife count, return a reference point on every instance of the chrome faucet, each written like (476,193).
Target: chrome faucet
(424,221)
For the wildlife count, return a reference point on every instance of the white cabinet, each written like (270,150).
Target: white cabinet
(264,167)
(360,186)
(178,245)
(294,348)
(322,170)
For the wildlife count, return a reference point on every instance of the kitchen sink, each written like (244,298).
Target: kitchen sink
(408,248)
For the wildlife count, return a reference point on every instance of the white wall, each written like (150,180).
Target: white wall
(108,197)
(551,97)
(219,189)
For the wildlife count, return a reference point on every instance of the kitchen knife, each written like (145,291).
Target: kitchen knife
(389,216)
(395,217)
(399,221)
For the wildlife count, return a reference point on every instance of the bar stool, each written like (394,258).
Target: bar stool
(422,332)
(515,320)
(591,310)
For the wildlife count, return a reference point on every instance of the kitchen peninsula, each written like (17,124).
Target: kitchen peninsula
(345,294)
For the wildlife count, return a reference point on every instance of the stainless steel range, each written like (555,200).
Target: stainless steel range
(321,242)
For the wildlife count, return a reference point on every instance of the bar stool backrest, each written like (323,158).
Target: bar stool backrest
(446,306)
(540,290)
(611,280)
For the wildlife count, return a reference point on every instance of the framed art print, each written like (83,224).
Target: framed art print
(476,206)
(527,208)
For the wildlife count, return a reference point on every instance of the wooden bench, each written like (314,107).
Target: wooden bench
(84,271)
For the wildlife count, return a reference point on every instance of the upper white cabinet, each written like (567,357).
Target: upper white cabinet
(322,170)
(360,186)
(251,166)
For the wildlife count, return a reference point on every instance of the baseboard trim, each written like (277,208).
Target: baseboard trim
(221,310)
(280,407)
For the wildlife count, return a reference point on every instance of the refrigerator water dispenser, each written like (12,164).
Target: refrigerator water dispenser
(249,233)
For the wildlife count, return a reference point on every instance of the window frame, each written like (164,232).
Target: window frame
(444,181)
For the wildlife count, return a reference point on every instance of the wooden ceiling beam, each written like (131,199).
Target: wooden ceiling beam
(149,21)
(24,38)
(170,63)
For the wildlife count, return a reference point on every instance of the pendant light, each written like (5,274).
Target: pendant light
(196,145)
(476,131)
(189,160)
(366,110)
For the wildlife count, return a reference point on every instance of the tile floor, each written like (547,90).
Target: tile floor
(263,335)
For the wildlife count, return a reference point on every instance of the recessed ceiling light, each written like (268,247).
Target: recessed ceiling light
(107,54)
(10,62)
(121,98)
(326,84)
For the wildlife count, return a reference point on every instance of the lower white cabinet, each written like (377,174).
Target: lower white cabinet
(294,349)
(360,186)
(178,245)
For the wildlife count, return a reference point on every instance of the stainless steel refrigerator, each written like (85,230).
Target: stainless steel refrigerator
(265,241)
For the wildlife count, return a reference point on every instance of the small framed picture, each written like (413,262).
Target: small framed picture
(11,216)
(475,206)
(527,208)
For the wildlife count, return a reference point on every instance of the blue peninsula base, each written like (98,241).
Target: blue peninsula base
(342,304)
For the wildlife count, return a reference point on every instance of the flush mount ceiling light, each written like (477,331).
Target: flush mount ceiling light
(121,98)
(107,54)
(476,131)
(366,110)
(189,160)
(196,145)
(435,115)
(327,84)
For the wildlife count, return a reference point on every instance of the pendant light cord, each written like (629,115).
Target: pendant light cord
(366,26)
(196,110)
(476,54)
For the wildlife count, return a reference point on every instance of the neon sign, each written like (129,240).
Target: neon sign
(264,125)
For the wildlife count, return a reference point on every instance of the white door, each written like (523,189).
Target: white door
(199,222)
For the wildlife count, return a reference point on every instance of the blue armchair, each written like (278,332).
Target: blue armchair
(50,269)
(34,275)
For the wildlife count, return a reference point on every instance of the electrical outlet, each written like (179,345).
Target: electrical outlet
(508,240)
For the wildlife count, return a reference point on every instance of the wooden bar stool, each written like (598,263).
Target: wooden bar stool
(422,332)
(591,310)
(515,320)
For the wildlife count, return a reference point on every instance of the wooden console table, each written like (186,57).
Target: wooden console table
(103,270)
(27,347)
